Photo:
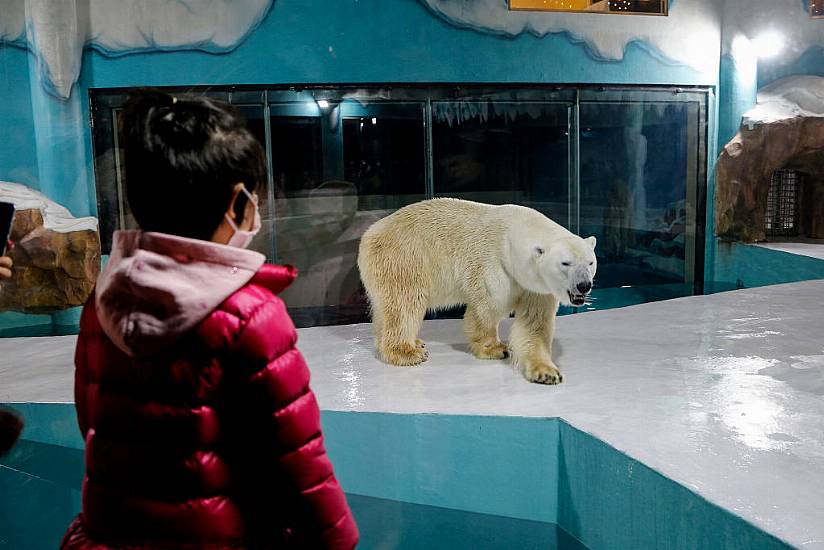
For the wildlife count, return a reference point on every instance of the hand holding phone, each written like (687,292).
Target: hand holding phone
(5,267)
(6,219)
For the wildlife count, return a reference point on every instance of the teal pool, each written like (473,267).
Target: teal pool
(389,524)
(429,482)
(41,484)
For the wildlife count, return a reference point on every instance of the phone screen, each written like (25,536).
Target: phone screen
(6,217)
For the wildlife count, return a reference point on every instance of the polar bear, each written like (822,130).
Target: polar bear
(495,259)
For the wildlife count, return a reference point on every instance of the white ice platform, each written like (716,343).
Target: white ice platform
(723,393)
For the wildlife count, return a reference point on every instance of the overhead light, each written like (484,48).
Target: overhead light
(745,55)
(768,45)
(323,104)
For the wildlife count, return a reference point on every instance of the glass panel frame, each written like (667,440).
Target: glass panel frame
(696,103)
(479,112)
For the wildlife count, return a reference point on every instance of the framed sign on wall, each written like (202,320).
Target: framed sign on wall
(629,7)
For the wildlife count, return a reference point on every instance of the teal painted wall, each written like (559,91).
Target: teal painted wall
(18,153)
(738,88)
(811,62)
(447,461)
(610,501)
(377,41)
(41,478)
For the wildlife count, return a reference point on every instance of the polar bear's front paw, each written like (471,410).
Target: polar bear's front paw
(490,350)
(543,374)
(406,355)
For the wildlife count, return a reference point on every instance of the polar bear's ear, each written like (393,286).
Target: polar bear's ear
(591,241)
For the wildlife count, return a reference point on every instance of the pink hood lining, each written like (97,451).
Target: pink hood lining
(156,287)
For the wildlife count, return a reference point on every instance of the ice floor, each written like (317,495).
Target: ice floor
(723,394)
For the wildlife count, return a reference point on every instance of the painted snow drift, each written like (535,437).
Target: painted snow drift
(58,32)
(689,35)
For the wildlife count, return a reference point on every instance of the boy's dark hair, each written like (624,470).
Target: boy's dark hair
(182,159)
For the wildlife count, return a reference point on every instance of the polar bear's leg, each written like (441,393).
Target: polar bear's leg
(377,321)
(531,338)
(400,321)
(481,328)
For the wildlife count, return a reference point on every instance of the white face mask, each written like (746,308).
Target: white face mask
(242,239)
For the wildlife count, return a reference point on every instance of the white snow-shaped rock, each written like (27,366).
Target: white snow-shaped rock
(55,216)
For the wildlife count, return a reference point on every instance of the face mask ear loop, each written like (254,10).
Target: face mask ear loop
(231,222)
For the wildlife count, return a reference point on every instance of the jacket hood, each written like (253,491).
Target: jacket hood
(156,287)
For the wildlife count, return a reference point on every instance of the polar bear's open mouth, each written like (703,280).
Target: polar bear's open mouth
(576,299)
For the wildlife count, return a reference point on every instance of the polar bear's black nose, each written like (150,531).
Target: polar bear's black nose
(584,287)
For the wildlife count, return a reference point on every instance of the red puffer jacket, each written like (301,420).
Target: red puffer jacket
(201,429)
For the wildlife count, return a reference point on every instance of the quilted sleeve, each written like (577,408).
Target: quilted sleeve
(81,366)
(277,386)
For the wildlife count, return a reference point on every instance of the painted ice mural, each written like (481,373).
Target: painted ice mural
(787,20)
(58,31)
(688,36)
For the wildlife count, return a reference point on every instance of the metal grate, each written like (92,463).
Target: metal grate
(782,203)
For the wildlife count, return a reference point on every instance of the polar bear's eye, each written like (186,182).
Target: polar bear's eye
(590,263)
(566,264)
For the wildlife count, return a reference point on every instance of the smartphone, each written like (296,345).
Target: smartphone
(6,218)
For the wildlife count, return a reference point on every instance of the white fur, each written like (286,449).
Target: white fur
(494,259)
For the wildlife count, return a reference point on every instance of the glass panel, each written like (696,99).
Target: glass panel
(338,169)
(500,152)
(637,188)
(342,159)
(110,202)
(384,154)
(296,154)
(256,123)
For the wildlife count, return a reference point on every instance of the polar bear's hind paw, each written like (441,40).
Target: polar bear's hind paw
(496,350)
(405,355)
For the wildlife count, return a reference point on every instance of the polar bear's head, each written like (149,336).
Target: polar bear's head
(561,266)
